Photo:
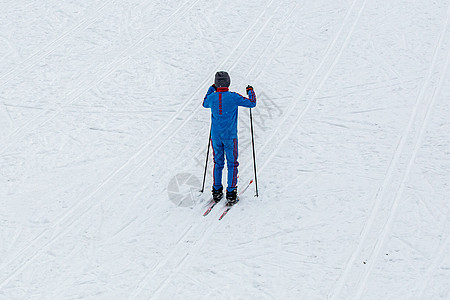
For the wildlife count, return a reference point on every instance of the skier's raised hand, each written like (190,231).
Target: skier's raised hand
(249,87)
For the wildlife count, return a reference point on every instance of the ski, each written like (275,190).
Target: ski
(212,203)
(228,207)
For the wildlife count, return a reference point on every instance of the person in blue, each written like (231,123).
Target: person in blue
(224,138)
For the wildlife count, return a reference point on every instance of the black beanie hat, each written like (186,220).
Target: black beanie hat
(222,79)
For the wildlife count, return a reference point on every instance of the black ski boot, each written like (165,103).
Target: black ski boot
(217,194)
(232,198)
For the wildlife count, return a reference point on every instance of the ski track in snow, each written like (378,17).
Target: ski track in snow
(170,263)
(101,75)
(72,212)
(329,68)
(426,107)
(39,55)
(384,188)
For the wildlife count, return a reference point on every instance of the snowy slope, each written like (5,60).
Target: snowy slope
(103,142)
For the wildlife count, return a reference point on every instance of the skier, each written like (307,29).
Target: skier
(224,115)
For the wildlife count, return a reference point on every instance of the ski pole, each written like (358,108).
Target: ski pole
(206,163)
(254,157)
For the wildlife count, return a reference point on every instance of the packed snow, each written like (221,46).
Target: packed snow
(104,140)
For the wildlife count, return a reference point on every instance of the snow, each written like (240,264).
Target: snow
(103,144)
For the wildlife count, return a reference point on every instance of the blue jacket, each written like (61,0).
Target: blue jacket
(224,111)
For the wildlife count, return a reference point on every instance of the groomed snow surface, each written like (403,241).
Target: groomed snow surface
(103,142)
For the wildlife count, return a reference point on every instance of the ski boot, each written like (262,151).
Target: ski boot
(217,194)
(232,197)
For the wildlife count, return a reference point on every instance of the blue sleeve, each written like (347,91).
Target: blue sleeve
(206,103)
(244,101)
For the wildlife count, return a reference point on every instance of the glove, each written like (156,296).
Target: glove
(249,87)
(214,86)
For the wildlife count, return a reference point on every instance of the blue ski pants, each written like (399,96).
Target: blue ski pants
(228,148)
